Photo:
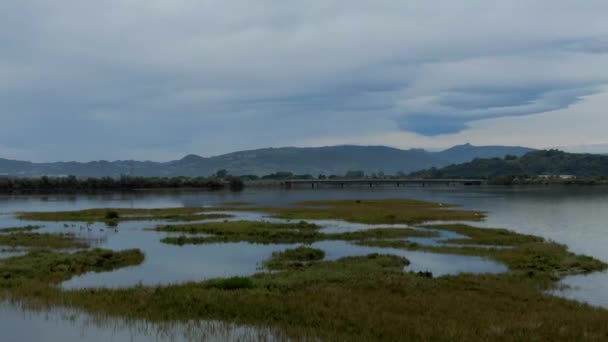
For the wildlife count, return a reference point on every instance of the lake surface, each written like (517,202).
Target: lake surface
(576,216)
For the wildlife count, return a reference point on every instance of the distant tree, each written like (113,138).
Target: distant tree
(221,173)
(279,175)
(249,177)
(354,174)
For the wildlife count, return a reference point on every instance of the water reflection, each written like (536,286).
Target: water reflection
(19,324)
(170,264)
(575,216)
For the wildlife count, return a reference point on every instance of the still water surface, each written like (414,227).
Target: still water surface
(576,216)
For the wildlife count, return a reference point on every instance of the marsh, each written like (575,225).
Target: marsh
(381,246)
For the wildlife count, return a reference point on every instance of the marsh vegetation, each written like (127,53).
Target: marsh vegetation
(122,214)
(353,298)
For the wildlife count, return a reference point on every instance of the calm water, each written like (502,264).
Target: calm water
(576,216)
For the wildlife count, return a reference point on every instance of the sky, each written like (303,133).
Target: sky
(158,79)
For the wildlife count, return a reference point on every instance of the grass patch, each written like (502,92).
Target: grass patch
(52,267)
(388,211)
(122,214)
(526,254)
(234,283)
(19,229)
(46,240)
(237,203)
(361,298)
(356,298)
(296,257)
(486,236)
(270,232)
(235,231)
(195,217)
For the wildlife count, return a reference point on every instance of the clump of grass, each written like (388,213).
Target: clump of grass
(117,215)
(355,298)
(112,215)
(19,229)
(525,254)
(486,236)
(234,283)
(53,267)
(195,217)
(301,253)
(270,232)
(237,203)
(296,257)
(45,240)
(235,231)
(381,233)
(376,211)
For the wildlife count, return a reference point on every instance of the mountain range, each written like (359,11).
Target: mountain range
(311,160)
(537,163)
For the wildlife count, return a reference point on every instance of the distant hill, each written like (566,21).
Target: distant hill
(464,153)
(546,162)
(318,160)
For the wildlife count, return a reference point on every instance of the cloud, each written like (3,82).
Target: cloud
(84,80)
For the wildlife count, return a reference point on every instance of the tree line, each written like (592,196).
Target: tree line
(538,167)
(125,183)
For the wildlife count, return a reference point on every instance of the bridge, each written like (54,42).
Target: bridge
(315,183)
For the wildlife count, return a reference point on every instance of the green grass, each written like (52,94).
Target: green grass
(122,214)
(235,231)
(234,283)
(29,228)
(486,236)
(524,254)
(389,211)
(237,203)
(270,232)
(45,240)
(359,298)
(52,267)
(297,257)
(351,299)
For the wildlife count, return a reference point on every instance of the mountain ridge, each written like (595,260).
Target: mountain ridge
(301,160)
(541,163)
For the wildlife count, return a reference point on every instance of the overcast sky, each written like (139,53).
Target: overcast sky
(158,79)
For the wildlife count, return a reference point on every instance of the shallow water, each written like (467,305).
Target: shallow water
(575,216)
(438,264)
(169,264)
(20,325)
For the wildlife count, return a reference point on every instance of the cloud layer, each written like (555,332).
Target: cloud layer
(158,79)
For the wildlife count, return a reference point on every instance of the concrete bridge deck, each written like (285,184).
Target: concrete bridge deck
(375,182)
